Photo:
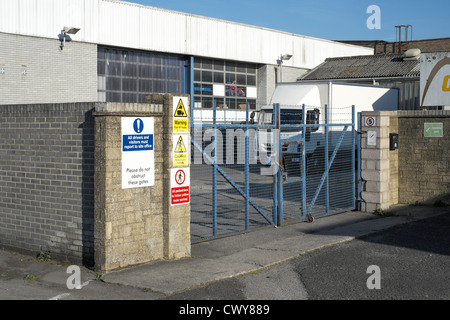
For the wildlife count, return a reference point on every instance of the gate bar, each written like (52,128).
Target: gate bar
(234,185)
(325,174)
(267,126)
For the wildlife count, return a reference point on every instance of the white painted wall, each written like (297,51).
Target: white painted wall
(130,25)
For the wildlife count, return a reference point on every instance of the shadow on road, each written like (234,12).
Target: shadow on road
(431,234)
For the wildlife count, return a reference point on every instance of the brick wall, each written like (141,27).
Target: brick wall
(417,172)
(429,45)
(46,179)
(424,170)
(35,70)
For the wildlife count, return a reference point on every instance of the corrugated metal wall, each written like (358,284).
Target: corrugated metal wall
(142,27)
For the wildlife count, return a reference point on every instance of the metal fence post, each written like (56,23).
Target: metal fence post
(214,173)
(275,176)
(279,168)
(353,158)
(303,161)
(247,170)
(327,190)
(191,89)
(358,151)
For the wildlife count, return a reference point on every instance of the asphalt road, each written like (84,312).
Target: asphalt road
(413,261)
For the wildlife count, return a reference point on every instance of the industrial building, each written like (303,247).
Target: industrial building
(390,70)
(59,58)
(61,51)
(72,70)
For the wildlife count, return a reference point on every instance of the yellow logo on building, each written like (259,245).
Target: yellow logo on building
(446,84)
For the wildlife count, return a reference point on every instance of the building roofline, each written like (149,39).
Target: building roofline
(335,80)
(226,21)
(384,41)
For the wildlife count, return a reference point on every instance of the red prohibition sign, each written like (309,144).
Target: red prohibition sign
(180,176)
(370,121)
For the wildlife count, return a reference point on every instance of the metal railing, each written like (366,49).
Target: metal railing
(248,175)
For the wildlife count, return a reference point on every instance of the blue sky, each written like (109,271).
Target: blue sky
(327,19)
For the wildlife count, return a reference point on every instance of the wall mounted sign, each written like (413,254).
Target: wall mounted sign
(179,186)
(138,158)
(433,130)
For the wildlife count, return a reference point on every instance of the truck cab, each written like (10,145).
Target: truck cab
(290,134)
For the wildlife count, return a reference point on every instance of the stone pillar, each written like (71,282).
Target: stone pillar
(135,225)
(375,161)
(176,219)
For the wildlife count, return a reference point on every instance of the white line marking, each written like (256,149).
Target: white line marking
(83,285)
(59,296)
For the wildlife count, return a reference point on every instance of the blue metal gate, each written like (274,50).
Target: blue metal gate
(248,175)
(318,178)
(228,195)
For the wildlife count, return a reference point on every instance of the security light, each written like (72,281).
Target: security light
(66,31)
(70,30)
(285,57)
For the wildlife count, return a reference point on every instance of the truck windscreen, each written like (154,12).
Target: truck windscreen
(292,117)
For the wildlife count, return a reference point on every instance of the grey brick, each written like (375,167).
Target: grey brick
(46,178)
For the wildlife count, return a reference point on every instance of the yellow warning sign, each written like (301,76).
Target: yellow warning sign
(180,125)
(180,111)
(180,159)
(180,148)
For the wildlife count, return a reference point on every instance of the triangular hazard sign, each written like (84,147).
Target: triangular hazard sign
(180,148)
(180,110)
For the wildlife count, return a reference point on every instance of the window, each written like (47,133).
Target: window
(128,76)
(229,84)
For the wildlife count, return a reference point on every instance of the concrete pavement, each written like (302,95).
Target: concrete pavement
(240,254)
(217,259)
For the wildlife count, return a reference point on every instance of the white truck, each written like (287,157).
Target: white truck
(339,98)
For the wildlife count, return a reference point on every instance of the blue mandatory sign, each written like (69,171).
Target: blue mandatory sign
(138,125)
(137,142)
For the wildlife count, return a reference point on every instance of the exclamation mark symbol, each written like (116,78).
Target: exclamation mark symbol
(138,125)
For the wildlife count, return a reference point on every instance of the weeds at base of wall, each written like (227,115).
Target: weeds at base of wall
(30,277)
(439,203)
(44,256)
(383,213)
